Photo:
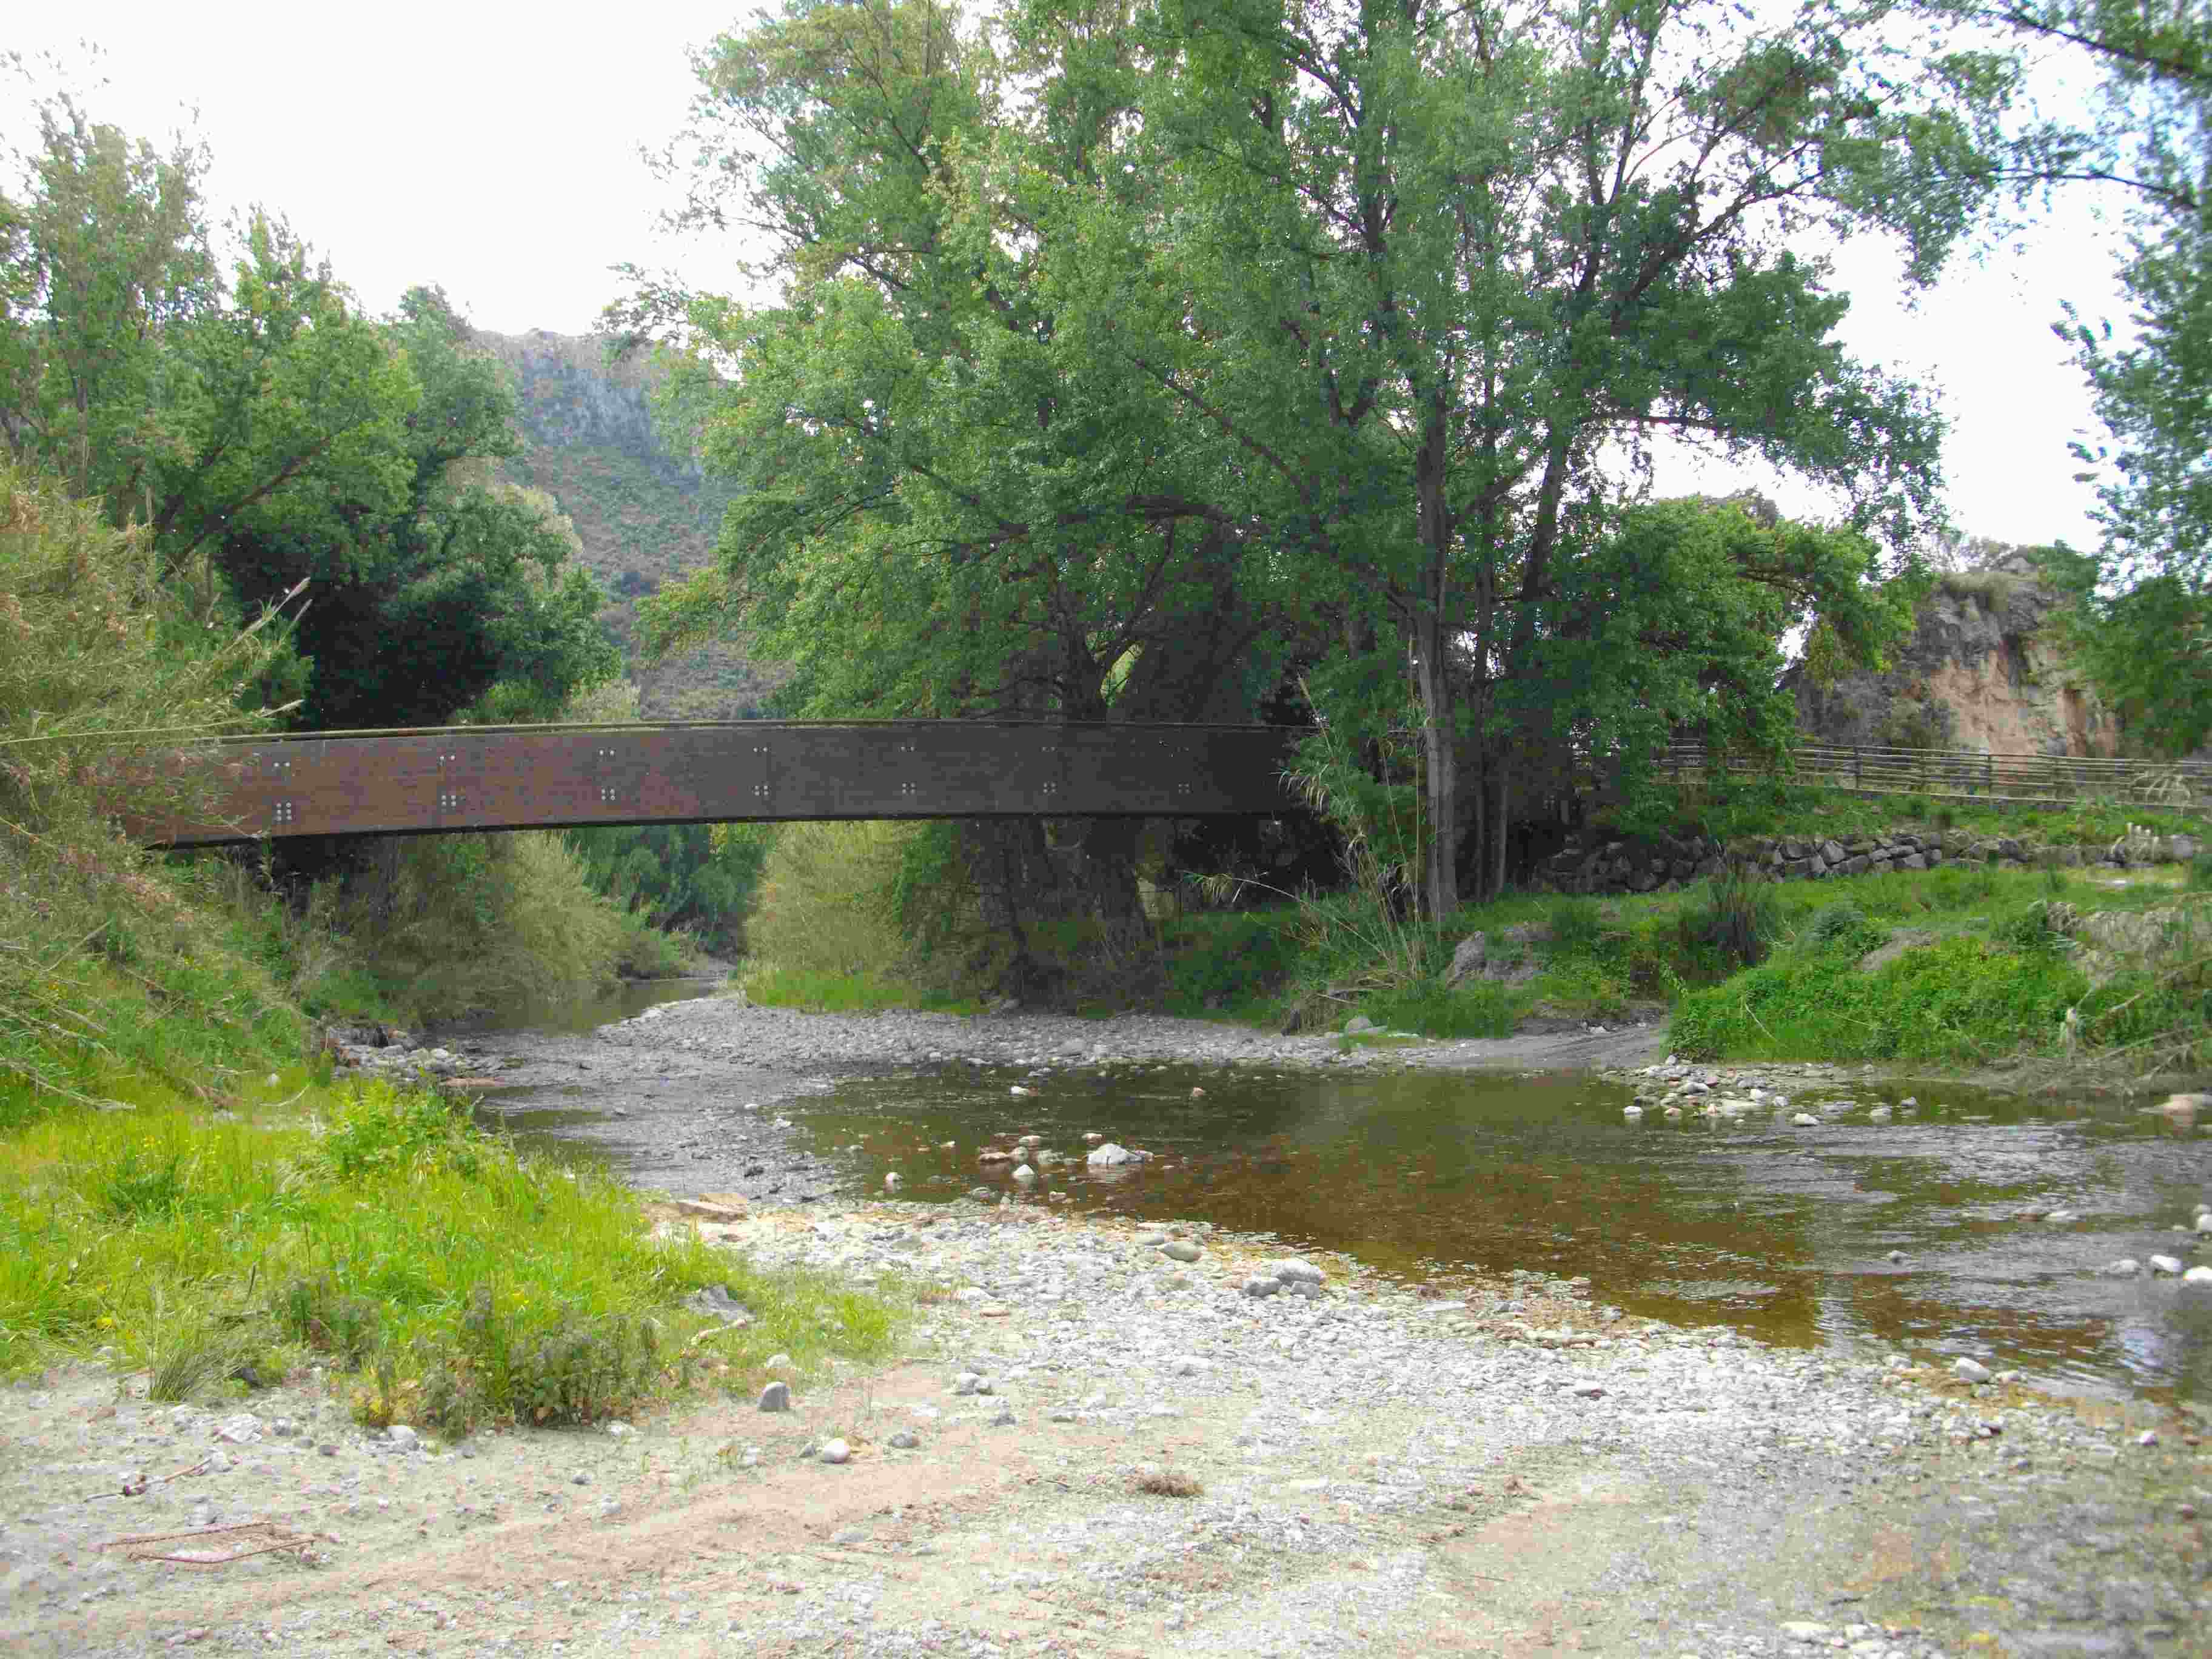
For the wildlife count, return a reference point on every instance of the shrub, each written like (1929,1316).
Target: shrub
(1843,926)
(452,923)
(1738,918)
(380,1130)
(829,899)
(108,964)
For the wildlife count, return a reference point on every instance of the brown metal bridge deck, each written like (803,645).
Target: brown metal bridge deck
(474,778)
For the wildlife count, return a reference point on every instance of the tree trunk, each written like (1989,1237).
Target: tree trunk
(1440,779)
(1431,647)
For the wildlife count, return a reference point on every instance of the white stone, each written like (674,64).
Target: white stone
(2198,1276)
(1805,1120)
(1108,1155)
(1262,1284)
(1299,1271)
(835,1451)
(1972,1370)
(1804,1629)
(2126,1267)
(2165,1264)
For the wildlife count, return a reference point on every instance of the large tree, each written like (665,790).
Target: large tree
(957,498)
(1471,263)
(267,434)
(1341,327)
(2141,625)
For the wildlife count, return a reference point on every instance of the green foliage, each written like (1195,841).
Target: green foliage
(381,1131)
(2140,622)
(451,597)
(699,879)
(267,434)
(1739,917)
(109,968)
(2030,928)
(1229,964)
(1846,929)
(827,901)
(1961,1000)
(441,925)
(460,1282)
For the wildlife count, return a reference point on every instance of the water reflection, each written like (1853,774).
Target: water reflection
(1781,1231)
(579,1016)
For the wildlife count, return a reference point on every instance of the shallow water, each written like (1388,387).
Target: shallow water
(578,1015)
(1782,1232)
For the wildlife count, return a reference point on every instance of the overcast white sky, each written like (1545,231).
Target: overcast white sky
(497,152)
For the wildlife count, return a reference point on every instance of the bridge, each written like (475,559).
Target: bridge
(448,779)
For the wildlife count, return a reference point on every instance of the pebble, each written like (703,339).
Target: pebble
(2198,1276)
(1262,1284)
(905,1440)
(2165,1264)
(835,1451)
(1181,1249)
(775,1397)
(2126,1267)
(1972,1370)
(1805,1120)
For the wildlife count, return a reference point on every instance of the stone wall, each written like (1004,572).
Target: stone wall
(1664,864)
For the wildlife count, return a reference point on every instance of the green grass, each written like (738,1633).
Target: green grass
(453,1280)
(819,991)
(1959,999)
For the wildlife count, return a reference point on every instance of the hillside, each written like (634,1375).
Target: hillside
(644,514)
(1981,670)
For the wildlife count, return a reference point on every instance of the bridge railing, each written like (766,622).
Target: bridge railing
(472,778)
(1967,774)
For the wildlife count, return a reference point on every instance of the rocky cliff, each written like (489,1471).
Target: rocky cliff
(646,515)
(1980,672)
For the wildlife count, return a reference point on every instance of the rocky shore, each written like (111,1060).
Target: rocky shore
(1093,1446)
(1101,1439)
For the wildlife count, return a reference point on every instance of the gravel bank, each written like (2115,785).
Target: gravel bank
(1099,1441)
(1376,1473)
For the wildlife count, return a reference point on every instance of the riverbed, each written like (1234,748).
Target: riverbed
(1945,1220)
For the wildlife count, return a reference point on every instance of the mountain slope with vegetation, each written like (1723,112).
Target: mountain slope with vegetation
(645,515)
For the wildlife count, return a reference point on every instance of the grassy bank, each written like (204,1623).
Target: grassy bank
(182,1188)
(1745,969)
(448,1280)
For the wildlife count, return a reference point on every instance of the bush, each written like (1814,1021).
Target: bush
(1843,926)
(448,924)
(829,899)
(109,967)
(1738,918)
